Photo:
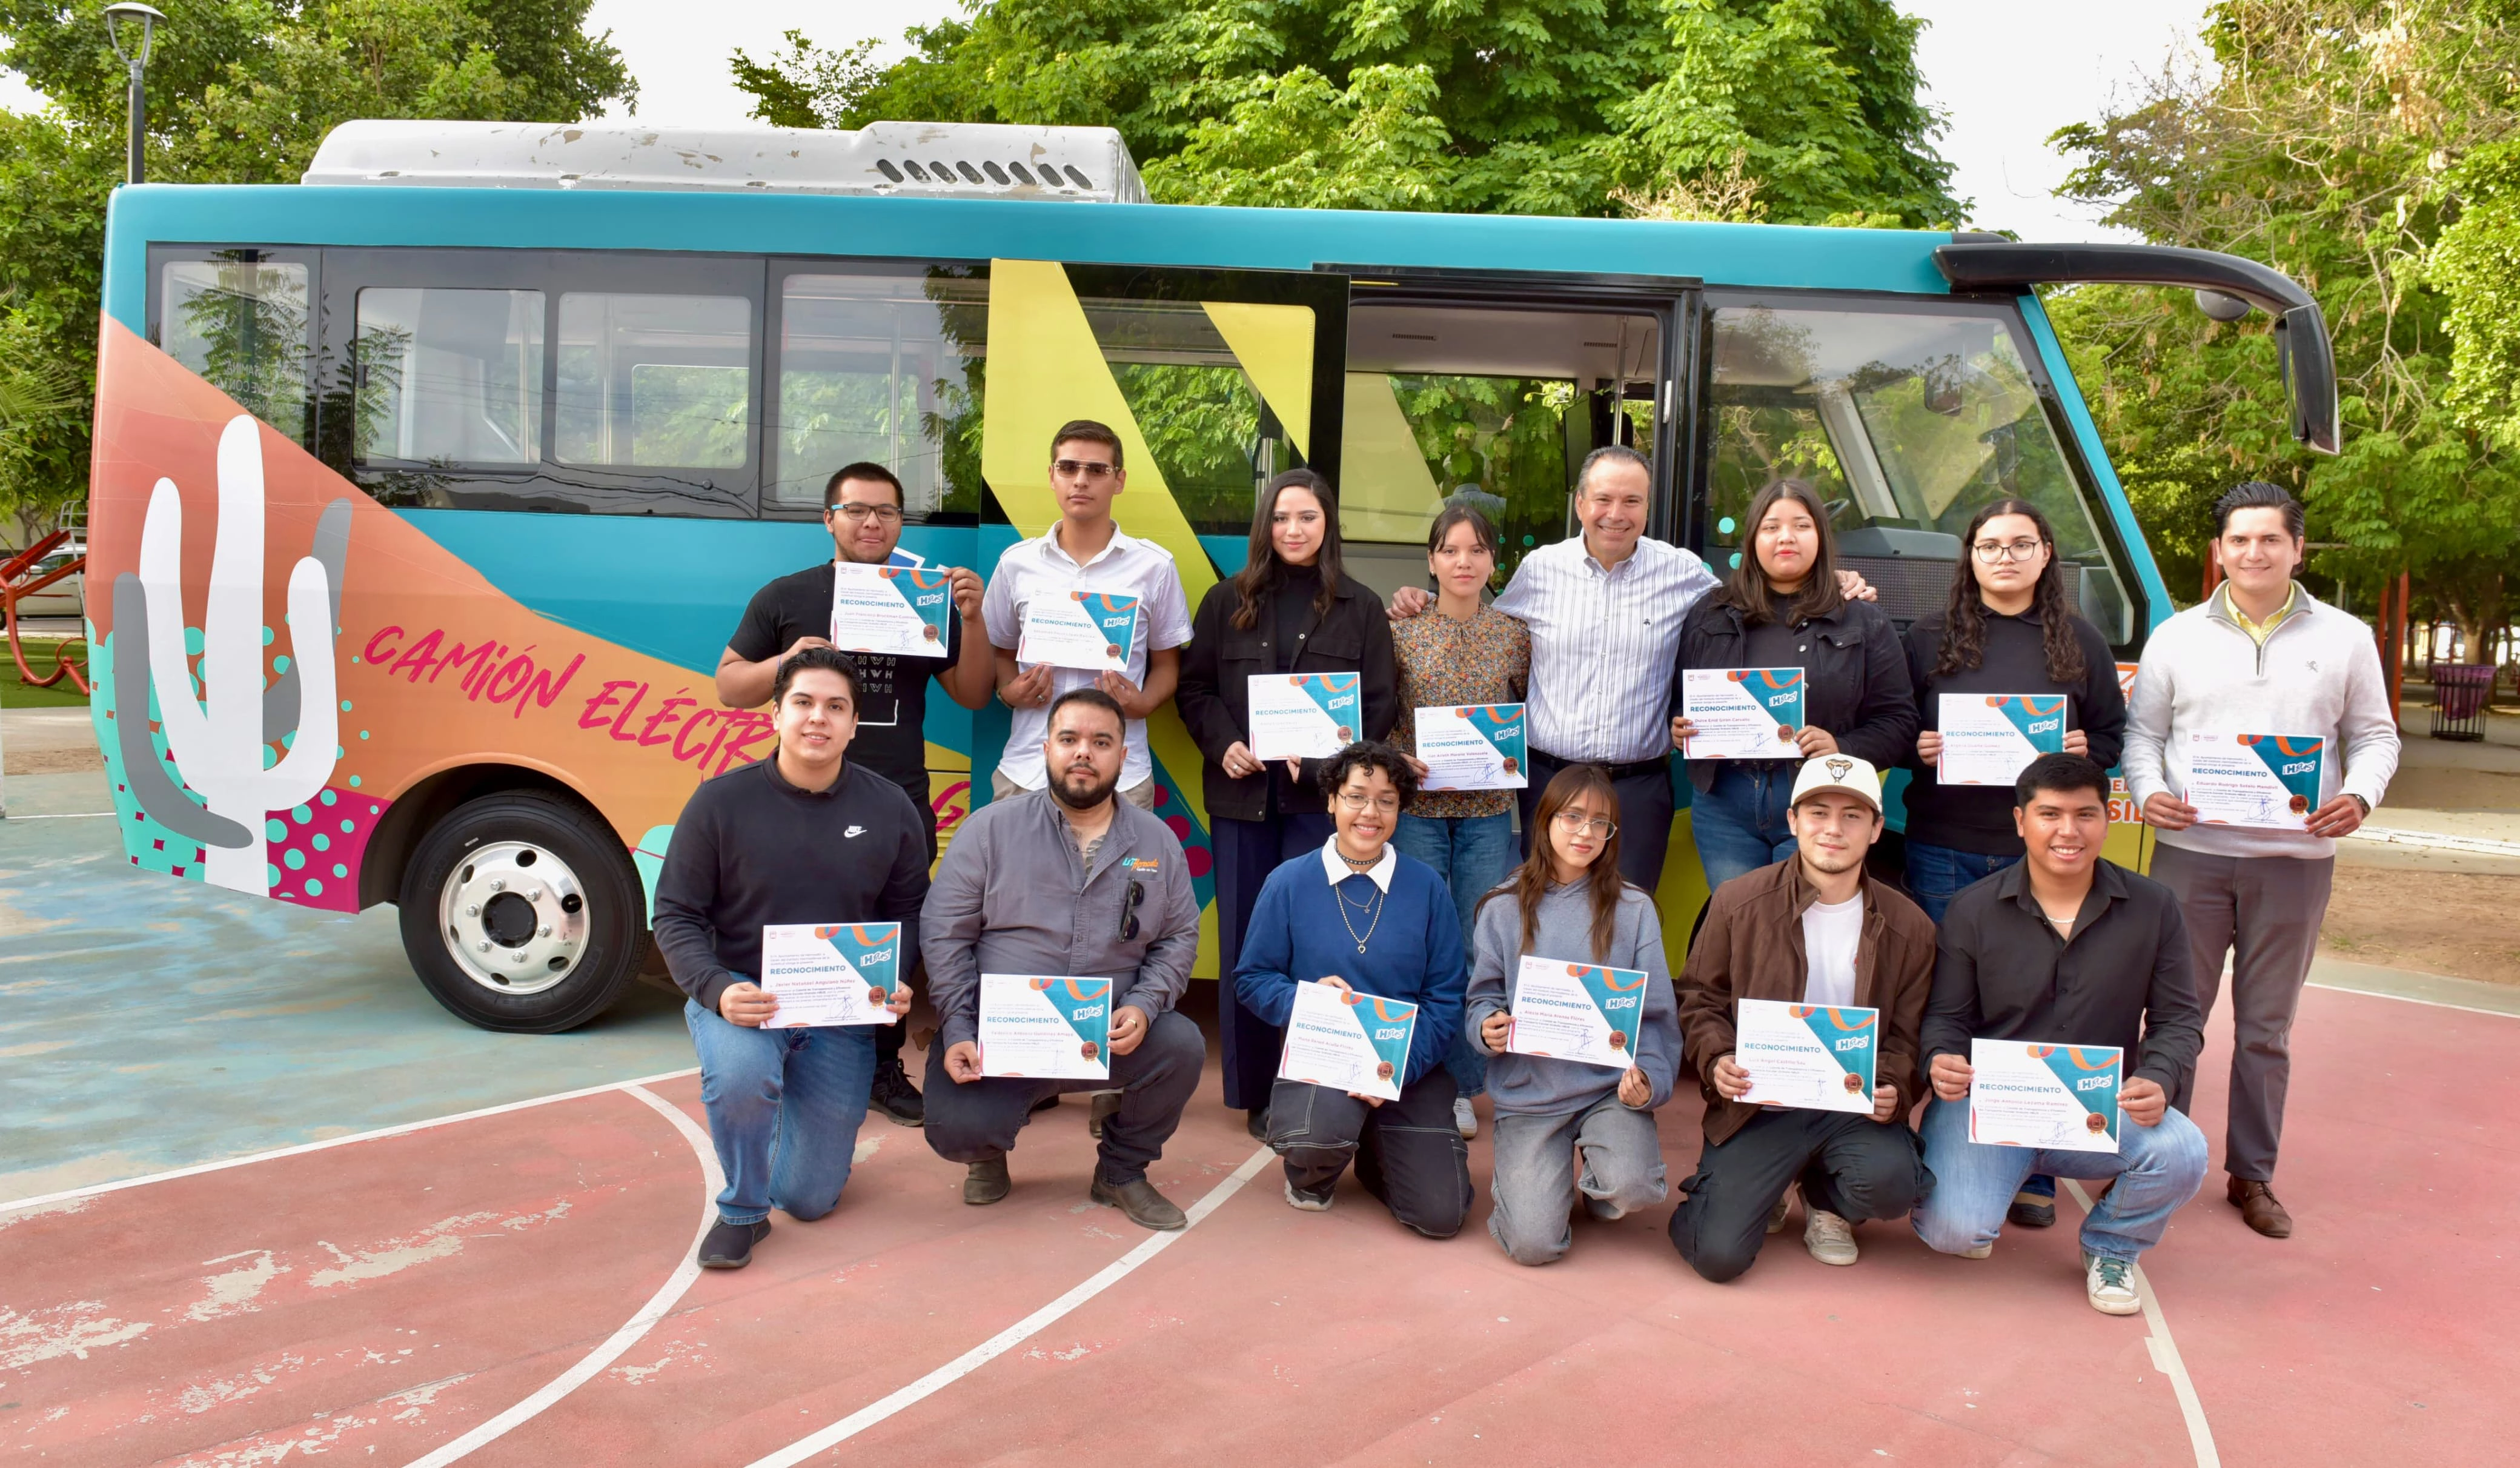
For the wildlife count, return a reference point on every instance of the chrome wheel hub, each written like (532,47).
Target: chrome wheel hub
(513,916)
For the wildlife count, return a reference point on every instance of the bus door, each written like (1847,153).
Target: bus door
(1489,388)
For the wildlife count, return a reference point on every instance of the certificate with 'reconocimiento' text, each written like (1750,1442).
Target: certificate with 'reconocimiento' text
(901,610)
(1991,738)
(1045,1027)
(1812,1056)
(1090,631)
(1303,715)
(1472,747)
(1743,713)
(2062,1098)
(1582,1012)
(830,973)
(2264,780)
(1348,1041)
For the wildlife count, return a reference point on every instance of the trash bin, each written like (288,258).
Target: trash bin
(2460,693)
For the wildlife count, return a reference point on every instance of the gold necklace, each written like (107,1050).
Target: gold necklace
(1373,905)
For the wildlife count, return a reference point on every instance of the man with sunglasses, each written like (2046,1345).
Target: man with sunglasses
(1066,881)
(1084,552)
(862,507)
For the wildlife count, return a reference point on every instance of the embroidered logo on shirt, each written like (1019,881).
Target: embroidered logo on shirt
(852,831)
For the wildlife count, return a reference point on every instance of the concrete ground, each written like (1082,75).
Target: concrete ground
(513,1285)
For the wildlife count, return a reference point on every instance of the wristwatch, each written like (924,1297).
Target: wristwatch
(2358,800)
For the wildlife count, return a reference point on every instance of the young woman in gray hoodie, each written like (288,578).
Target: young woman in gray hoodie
(1568,1130)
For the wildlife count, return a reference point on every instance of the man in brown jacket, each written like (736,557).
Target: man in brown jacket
(1811,930)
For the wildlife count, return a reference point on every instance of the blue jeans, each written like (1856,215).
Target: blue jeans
(1740,823)
(1936,874)
(1471,853)
(784,1108)
(2157,1169)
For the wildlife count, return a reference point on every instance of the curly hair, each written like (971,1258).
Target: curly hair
(1963,646)
(1368,755)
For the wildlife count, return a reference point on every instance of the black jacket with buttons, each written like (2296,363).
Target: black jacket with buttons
(1215,693)
(1855,677)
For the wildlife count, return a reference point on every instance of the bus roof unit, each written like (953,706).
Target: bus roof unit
(906,160)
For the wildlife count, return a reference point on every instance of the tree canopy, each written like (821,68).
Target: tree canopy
(1805,110)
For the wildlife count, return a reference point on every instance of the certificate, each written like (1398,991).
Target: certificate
(1092,630)
(1576,1011)
(2062,1098)
(830,973)
(1991,738)
(1045,1027)
(1472,747)
(1812,1056)
(901,610)
(1303,715)
(1743,713)
(1348,1041)
(2264,780)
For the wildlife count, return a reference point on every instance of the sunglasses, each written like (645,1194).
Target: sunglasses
(1072,468)
(1129,904)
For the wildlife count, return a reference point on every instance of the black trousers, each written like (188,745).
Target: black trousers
(1644,815)
(1850,1165)
(1247,853)
(888,1038)
(977,1119)
(1406,1152)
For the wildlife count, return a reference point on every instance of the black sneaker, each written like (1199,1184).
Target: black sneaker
(1257,1123)
(729,1246)
(2032,1209)
(894,1096)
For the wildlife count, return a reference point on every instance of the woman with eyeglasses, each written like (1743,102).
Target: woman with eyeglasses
(1783,607)
(1463,652)
(1359,916)
(1292,609)
(1569,1131)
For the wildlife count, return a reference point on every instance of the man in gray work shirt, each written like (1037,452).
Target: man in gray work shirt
(1066,881)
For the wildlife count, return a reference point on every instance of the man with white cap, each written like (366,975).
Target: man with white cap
(1813,928)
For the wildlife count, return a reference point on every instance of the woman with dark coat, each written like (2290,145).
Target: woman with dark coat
(1290,610)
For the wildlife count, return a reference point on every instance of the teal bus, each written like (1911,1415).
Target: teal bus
(427,492)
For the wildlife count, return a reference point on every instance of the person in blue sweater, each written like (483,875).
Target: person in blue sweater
(1366,918)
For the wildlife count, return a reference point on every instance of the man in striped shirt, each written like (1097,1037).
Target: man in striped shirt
(1604,611)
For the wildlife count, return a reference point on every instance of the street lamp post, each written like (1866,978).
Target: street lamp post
(149,20)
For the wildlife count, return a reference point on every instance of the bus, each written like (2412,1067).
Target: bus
(427,491)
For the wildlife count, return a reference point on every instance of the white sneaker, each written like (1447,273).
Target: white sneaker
(2110,1285)
(1829,1238)
(1308,1202)
(1465,1121)
(1982,1251)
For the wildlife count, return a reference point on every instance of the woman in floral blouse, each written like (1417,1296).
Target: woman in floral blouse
(1462,650)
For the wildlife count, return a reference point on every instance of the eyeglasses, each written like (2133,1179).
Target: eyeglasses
(856,514)
(1357,804)
(1599,828)
(1085,469)
(1992,551)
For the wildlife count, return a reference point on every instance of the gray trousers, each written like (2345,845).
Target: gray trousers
(1537,1183)
(2263,912)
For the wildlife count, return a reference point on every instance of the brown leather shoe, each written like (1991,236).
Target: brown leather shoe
(2259,1209)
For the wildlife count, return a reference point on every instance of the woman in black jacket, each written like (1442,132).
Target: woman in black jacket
(1783,608)
(2007,630)
(1292,609)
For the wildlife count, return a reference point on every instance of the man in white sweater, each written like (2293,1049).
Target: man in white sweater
(2260,658)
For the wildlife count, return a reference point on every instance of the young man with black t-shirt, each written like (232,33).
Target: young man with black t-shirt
(862,507)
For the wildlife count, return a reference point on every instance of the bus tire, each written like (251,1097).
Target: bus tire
(521,913)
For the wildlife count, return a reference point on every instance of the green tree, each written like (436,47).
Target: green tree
(1540,107)
(240,91)
(2330,142)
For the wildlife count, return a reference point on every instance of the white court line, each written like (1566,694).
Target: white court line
(1013,1334)
(2374,993)
(75,815)
(2166,1357)
(667,1294)
(43,1200)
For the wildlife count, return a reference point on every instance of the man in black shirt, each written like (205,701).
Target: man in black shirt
(2065,949)
(804,837)
(862,507)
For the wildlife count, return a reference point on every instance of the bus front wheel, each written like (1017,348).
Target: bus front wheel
(521,913)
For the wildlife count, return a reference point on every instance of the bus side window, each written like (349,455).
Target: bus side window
(882,365)
(1908,420)
(449,377)
(654,380)
(239,322)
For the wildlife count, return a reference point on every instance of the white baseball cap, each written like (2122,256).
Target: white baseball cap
(1856,777)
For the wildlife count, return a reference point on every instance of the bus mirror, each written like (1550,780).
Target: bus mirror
(2310,375)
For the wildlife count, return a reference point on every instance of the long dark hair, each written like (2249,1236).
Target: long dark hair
(1964,618)
(1747,589)
(1531,880)
(1262,569)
